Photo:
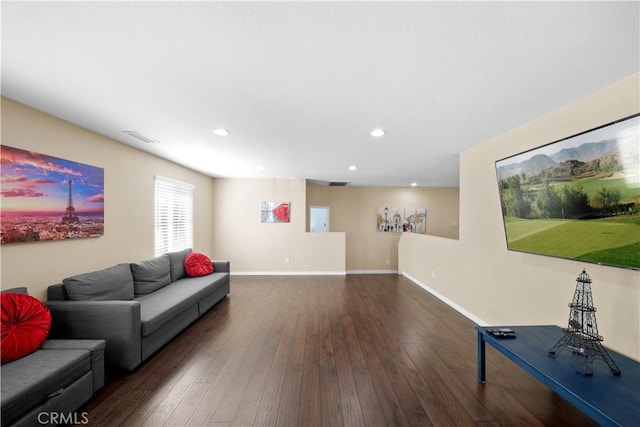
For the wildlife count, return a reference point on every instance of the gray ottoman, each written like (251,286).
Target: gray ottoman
(52,382)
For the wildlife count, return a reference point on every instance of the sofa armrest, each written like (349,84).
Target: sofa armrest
(221,266)
(116,322)
(96,347)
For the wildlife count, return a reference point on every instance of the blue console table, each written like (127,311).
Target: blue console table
(608,399)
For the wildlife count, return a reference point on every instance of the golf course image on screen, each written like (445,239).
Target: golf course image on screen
(577,198)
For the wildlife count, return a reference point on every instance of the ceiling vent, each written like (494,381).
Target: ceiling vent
(329,183)
(141,137)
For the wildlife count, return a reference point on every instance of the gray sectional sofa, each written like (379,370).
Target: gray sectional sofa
(50,384)
(136,307)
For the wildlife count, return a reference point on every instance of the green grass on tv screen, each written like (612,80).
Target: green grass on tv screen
(611,241)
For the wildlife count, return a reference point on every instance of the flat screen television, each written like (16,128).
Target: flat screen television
(577,198)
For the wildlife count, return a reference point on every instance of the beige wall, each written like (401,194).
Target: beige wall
(353,211)
(254,247)
(129,194)
(475,273)
(497,286)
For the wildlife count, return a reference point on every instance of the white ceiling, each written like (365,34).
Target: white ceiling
(301,84)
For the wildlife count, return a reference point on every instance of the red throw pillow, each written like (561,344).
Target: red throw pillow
(25,325)
(197,264)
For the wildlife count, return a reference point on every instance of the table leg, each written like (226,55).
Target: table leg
(481,358)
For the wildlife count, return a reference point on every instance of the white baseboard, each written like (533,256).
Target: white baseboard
(311,273)
(288,273)
(447,301)
(372,271)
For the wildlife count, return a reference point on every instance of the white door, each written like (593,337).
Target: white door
(318,219)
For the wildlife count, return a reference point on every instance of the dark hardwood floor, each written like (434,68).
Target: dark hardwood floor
(361,350)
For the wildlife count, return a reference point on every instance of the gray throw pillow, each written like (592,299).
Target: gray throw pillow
(19,290)
(151,275)
(113,283)
(176,260)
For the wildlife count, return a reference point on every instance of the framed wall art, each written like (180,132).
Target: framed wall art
(48,198)
(401,220)
(274,212)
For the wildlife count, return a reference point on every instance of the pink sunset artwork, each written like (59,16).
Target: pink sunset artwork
(48,198)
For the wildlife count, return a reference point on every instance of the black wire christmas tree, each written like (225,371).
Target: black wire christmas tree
(581,336)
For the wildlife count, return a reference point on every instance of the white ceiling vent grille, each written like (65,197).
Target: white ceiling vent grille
(141,137)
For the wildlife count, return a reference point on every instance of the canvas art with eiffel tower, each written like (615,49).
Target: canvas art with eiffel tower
(581,336)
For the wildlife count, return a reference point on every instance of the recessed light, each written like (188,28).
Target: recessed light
(353,167)
(414,184)
(378,132)
(221,132)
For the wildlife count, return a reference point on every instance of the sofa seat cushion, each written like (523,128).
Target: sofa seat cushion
(164,304)
(31,380)
(204,285)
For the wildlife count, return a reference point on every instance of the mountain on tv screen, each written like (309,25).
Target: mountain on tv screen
(576,198)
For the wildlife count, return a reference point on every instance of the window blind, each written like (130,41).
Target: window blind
(173,215)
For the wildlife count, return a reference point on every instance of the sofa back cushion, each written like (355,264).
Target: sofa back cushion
(113,283)
(151,275)
(18,290)
(176,259)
